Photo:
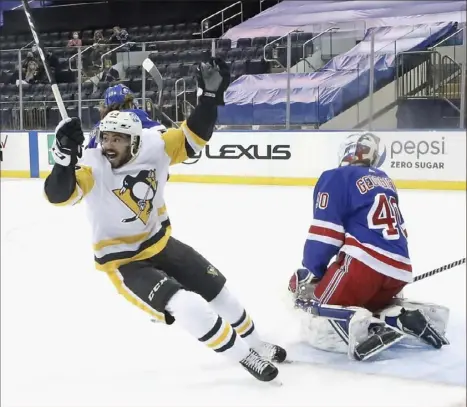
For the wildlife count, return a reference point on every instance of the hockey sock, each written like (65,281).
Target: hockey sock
(226,305)
(195,315)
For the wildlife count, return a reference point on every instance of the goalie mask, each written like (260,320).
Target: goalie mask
(122,123)
(360,149)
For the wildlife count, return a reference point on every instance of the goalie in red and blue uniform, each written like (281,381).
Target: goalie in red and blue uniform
(358,222)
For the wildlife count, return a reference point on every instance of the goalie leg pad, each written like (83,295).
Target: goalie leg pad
(369,336)
(381,338)
(351,330)
(437,315)
(414,323)
(323,334)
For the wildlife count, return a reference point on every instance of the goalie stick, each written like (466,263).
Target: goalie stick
(35,35)
(439,270)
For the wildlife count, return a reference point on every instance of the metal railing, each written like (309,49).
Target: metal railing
(425,75)
(223,19)
(76,56)
(127,44)
(177,95)
(44,115)
(443,41)
(330,30)
(275,41)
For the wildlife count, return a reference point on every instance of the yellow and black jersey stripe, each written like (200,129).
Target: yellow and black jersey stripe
(182,143)
(55,185)
(147,249)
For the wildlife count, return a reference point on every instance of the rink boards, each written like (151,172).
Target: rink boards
(414,159)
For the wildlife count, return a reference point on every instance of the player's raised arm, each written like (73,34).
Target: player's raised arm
(213,79)
(67,184)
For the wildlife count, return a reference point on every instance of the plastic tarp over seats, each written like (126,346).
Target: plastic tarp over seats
(319,96)
(314,16)
(261,99)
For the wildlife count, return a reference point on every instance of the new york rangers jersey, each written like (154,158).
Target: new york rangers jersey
(145,121)
(356,211)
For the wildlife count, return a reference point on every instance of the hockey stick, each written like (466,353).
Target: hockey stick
(133,218)
(438,270)
(152,70)
(56,92)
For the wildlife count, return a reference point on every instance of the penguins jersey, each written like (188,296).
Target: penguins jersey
(126,205)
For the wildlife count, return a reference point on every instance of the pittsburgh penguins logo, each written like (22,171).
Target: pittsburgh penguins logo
(137,194)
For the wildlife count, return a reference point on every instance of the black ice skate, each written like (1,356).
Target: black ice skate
(382,338)
(271,352)
(259,367)
(414,323)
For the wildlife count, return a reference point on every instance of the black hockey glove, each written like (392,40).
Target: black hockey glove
(213,80)
(68,144)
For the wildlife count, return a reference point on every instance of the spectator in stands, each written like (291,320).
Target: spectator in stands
(97,48)
(32,74)
(109,74)
(75,41)
(29,57)
(120,35)
(52,62)
(98,38)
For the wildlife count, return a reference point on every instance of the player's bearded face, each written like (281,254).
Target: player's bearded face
(116,148)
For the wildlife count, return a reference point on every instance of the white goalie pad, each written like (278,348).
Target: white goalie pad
(329,335)
(321,333)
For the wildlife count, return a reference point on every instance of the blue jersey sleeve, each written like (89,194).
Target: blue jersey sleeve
(326,233)
(92,143)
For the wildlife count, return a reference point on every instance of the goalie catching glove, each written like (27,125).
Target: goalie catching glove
(68,143)
(213,80)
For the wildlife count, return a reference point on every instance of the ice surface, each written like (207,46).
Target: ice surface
(69,340)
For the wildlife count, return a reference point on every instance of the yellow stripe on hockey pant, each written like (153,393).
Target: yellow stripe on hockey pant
(129,295)
(245,326)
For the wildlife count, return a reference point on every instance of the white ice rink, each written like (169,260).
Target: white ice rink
(68,339)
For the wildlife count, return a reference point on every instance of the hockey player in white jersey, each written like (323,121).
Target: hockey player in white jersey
(357,219)
(123,185)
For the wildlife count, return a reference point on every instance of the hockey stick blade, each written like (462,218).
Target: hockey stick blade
(128,220)
(35,35)
(152,70)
